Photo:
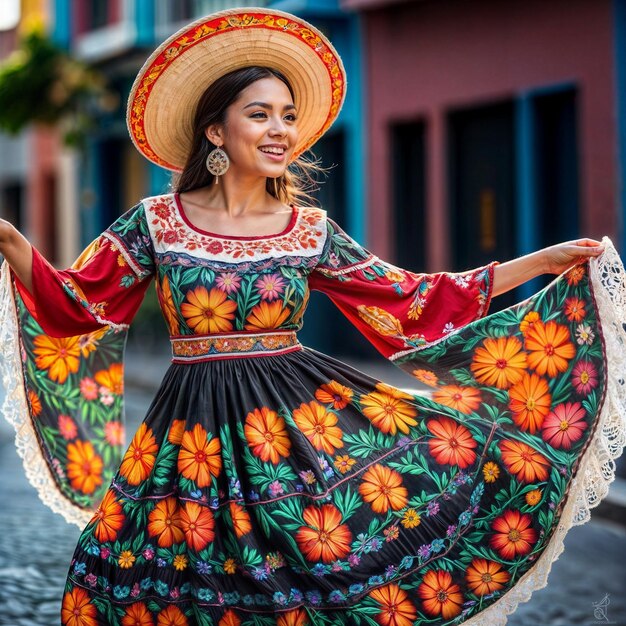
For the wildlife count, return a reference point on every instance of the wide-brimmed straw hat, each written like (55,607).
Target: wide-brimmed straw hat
(165,94)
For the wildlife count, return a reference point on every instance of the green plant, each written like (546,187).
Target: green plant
(41,83)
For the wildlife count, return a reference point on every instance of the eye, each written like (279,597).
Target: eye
(291,117)
(259,115)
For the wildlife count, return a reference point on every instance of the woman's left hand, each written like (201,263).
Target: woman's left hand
(562,256)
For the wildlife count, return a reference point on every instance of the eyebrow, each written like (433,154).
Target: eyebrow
(265,105)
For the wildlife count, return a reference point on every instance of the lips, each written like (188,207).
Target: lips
(279,150)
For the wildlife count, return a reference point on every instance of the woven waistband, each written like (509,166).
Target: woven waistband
(234,346)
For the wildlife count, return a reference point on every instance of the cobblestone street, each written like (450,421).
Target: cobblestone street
(36,547)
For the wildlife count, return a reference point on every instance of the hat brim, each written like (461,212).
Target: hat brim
(165,94)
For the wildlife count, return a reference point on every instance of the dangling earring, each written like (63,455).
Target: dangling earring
(217,163)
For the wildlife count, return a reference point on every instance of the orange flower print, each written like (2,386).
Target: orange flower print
(77,609)
(524,462)
(241,519)
(84,467)
(491,471)
(381,320)
(60,356)
(452,443)
(164,293)
(427,377)
(172,616)
(499,362)
(165,523)
(513,535)
(108,518)
(336,393)
(137,615)
(267,315)
(35,403)
(530,319)
(389,412)
(533,498)
(485,577)
(176,431)
(565,425)
(198,525)
(323,537)
(549,347)
(344,463)
(575,275)
(208,312)
(395,607)
(126,559)
(67,427)
(319,426)
(266,435)
(382,488)
(297,617)
(139,458)
(440,596)
(529,401)
(230,618)
(574,309)
(114,433)
(463,399)
(112,379)
(199,457)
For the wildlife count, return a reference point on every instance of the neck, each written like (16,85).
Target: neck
(237,195)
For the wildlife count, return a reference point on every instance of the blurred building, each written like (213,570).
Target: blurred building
(37,187)
(494,128)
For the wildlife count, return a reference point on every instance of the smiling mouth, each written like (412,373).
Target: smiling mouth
(272,150)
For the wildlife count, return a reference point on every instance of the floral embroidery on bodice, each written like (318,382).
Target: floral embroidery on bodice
(171,232)
(215,284)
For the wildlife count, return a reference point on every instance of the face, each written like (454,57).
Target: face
(260,131)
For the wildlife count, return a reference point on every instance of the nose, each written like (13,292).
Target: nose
(278,126)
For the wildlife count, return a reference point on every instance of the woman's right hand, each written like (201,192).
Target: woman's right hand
(14,247)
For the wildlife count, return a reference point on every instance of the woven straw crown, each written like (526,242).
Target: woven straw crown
(165,94)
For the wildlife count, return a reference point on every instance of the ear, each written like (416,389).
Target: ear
(215,134)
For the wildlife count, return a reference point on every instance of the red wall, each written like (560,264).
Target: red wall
(425,58)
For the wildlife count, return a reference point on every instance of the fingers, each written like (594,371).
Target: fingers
(588,243)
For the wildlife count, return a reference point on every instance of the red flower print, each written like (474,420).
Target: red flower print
(574,309)
(513,535)
(452,444)
(564,425)
(584,377)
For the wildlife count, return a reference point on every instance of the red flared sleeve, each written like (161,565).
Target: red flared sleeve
(394,308)
(104,287)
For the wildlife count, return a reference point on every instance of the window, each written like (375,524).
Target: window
(409,194)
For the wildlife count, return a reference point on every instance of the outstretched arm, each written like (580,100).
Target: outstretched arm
(552,260)
(15,248)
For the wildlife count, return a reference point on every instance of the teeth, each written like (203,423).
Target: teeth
(272,150)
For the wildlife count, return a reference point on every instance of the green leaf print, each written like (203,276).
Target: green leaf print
(347,502)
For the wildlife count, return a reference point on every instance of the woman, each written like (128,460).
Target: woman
(270,484)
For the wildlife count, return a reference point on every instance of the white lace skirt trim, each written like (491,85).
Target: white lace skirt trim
(16,411)
(596,470)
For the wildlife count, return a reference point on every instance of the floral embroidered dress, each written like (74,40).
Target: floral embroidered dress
(271,484)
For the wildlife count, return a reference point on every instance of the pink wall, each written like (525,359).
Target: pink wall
(425,58)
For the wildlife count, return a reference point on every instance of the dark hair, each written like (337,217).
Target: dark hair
(298,179)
